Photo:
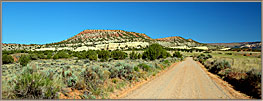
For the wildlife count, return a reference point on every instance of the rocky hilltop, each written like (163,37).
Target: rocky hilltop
(106,35)
(177,41)
(108,40)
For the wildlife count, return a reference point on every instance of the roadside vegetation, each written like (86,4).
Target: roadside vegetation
(242,72)
(79,75)
(96,74)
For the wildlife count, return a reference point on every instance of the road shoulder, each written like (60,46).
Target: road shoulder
(225,85)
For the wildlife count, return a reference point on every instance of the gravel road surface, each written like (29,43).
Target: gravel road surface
(187,80)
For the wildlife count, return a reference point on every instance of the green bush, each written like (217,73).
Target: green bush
(250,84)
(247,82)
(164,54)
(55,57)
(33,56)
(136,68)
(145,67)
(209,56)
(61,54)
(92,55)
(104,55)
(24,59)
(177,54)
(47,52)
(202,58)
(253,83)
(218,66)
(118,55)
(80,55)
(228,53)
(95,78)
(7,59)
(41,56)
(154,51)
(32,85)
(139,56)
(49,56)
(133,55)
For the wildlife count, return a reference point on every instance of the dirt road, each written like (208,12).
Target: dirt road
(187,80)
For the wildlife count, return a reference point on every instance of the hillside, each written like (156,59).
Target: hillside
(106,35)
(177,41)
(108,40)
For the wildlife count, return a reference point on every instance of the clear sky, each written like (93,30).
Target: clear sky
(211,22)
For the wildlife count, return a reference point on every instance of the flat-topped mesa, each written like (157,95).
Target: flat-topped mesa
(95,39)
(90,35)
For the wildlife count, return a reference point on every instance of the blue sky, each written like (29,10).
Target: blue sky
(211,22)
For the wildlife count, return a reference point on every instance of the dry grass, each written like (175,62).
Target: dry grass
(237,60)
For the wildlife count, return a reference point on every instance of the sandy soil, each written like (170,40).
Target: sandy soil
(187,80)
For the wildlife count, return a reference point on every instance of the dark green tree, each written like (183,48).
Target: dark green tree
(7,59)
(153,52)
(24,59)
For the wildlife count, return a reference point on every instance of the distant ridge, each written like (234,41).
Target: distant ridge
(253,45)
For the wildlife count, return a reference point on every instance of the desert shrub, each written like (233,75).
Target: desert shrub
(250,84)
(104,55)
(139,56)
(253,83)
(33,56)
(136,68)
(7,52)
(114,72)
(218,66)
(177,54)
(55,57)
(80,55)
(92,55)
(118,55)
(121,70)
(61,54)
(33,85)
(166,62)
(46,52)
(154,51)
(7,59)
(128,71)
(95,77)
(207,52)
(208,64)
(133,55)
(49,55)
(228,53)
(24,59)
(41,56)
(202,58)
(144,67)
(69,77)
(209,56)
(247,82)
(164,54)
